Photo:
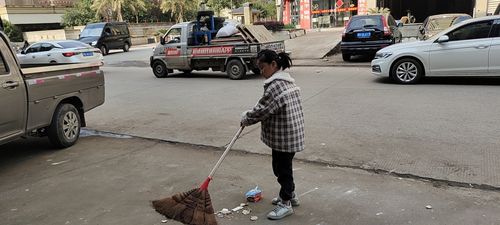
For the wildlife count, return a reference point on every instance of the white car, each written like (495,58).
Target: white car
(470,48)
(59,52)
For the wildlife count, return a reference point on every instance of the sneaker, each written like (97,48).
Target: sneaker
(295,201)
(281,211)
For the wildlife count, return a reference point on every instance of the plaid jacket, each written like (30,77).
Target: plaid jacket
(280,113)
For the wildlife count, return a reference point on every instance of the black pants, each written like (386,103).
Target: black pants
(282,168)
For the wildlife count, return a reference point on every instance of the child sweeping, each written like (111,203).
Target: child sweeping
(282,121)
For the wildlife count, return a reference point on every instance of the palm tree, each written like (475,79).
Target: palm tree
(116,6)
(177,8)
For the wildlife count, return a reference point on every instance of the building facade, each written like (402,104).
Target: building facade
(32,15)
(309,14)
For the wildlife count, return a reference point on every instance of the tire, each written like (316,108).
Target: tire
(160,69)
(235,69)
(256,71)
(104,50)
(64,130)
(126,47)
(346,57)
(407,71)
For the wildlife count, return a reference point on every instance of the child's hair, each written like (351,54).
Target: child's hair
(268,56)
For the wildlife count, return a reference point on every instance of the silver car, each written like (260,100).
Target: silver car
(59,52)
(470,48)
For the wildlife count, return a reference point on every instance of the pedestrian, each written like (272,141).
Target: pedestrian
(282,125)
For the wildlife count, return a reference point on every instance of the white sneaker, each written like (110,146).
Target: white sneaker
(295,201)
(281,211)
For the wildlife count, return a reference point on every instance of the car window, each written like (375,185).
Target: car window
(92,30)
(365,21)
(72,44)
(4,69)
(46,47)
(123,29)
(472,31)
(391,21)
(460,19)
(174,33)
(495,32)
(34,48)
(115,30)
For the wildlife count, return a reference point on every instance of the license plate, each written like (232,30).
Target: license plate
(363,35)
(88,54)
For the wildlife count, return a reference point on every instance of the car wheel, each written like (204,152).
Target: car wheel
(160,69)
(407,71)
(235,69)
(64,130)
(104,50)
(126,47)
(346,57)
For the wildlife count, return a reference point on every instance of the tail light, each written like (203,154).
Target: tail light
(69,54)
(387,30)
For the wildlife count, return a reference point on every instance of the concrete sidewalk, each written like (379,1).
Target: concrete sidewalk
(111,181)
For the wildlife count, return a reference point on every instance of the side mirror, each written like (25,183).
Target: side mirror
(23,52)
(399,23)
(162,40)
(443,39)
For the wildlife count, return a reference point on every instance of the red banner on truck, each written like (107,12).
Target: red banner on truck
(208,51)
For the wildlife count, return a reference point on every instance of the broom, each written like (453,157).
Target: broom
(193,207)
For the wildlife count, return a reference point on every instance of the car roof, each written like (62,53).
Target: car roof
(448,15)
(55,41)
(479,19)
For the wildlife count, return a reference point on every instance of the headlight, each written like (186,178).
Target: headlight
(382,55)
(93,43)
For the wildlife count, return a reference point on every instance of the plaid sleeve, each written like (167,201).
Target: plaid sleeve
(267,105)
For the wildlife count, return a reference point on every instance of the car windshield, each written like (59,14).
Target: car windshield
(92,31)
(440,23)
(72,44)
(364,22)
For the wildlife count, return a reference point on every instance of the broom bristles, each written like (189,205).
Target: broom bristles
(193,207)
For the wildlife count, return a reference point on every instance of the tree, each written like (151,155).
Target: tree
(116,7)
(13,32)
(267,8)
(179,8)
(377,10)
(218,5)
(81,14)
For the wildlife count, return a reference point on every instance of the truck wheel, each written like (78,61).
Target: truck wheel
(126,47)
(346,57)
(104,50)
(235,69)
(64,130)
(159,69)
(256,71)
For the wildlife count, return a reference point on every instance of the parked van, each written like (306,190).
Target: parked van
(107,36)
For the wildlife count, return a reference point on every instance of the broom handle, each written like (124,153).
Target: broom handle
(225,152)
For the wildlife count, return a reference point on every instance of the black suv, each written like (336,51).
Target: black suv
(106,36)
(366,34)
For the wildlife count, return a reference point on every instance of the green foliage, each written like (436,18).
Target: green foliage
(13,32)
(117,7)
(218,5)
(289,27)
(180,10)
(81,14)
(267,8)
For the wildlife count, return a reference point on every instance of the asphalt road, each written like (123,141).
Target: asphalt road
(444,128)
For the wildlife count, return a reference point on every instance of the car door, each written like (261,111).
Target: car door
(109,37)
(45,55)
(12,96)
(30,55)
(494,54)
(466,52)
(174,45)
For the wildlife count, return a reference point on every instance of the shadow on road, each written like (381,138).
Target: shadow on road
(486,81)
(23,149)
(201,74)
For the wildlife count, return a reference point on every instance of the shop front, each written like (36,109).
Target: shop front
(309,14)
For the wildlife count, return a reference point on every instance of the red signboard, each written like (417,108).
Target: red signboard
(321,11)
(208,51)
(305,14)
(340,3)
(287,19)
